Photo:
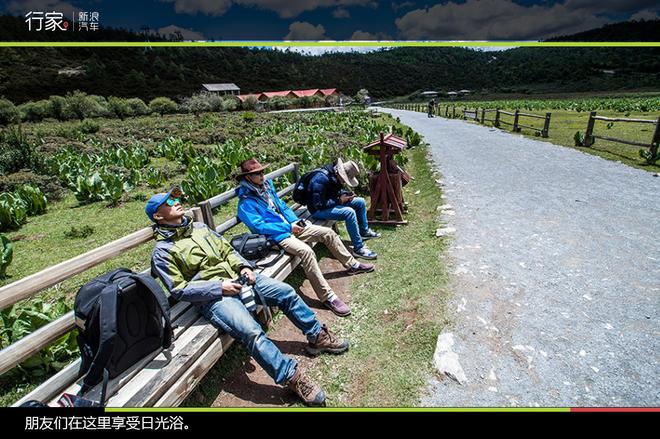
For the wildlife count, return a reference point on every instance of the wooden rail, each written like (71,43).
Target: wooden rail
(590,137)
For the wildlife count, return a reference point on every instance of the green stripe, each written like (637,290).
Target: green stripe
(339,409)
(330,44)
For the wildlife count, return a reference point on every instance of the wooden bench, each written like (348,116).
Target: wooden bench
(165,377)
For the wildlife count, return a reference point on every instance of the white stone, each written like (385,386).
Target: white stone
(445,207)
(446,360)
(444,231)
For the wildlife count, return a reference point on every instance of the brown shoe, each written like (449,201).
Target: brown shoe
(310,392)
(326,341)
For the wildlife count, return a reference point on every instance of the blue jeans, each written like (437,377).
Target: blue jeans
(355,215)
(229,314)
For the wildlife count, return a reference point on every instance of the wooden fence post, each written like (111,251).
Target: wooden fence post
(207,214)
(546,125)
(497,118)
(656,139)
(515,122)
(588,136)
(197,214)
(453,110)
(447,111)
(476,114)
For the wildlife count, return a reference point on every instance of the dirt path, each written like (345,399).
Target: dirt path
(249,385)
(556,272)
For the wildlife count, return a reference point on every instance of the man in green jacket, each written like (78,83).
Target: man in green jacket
(198,265)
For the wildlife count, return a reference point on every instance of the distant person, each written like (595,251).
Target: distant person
(199,266)
(431,107)
(263,212)
(327,199)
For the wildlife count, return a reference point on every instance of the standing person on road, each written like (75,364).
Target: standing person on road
(431,107)
(326,199)
(263,212)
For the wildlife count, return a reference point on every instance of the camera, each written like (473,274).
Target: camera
(302,223)
(247,293)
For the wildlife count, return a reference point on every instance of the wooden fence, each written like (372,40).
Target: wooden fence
(590,137)
(473,114)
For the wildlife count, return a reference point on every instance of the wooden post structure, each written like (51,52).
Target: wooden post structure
(453,111)
(447,111)
(516,115)
(483,115)
(656,139)
(497,118)
(207,214)
(546,125)
(588,136)
(385,187)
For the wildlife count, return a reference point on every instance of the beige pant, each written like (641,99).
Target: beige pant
(296,246)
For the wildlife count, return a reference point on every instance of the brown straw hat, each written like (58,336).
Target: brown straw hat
(249,167)
(347,172)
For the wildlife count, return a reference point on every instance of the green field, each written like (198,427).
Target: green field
(569,116)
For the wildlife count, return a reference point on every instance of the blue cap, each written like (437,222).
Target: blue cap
(157,200)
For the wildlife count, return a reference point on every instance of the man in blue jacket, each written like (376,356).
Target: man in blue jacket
(328,200)
(263,212)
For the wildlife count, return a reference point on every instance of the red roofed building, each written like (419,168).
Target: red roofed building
(329,91)
(242,98)
(272,94)
(309,92)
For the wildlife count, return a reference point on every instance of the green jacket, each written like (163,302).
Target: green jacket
(192,261)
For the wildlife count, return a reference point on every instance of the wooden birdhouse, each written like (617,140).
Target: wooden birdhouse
(385,185)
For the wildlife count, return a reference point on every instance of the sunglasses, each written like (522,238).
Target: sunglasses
(257,173)
(171,201)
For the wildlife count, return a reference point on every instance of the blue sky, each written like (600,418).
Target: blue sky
(352,19)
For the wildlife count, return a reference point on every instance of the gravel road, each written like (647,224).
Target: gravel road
(556,272)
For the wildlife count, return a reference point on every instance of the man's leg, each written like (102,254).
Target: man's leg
(282,295)
(230,315)
(359,205)
(314,233)
(348,214)
(296,247)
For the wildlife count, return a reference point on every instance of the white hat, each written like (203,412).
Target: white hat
(347,172)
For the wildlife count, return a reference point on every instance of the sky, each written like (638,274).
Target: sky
(314,20)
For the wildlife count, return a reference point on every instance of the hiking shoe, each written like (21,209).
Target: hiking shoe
(361,268)
(310,392)
(364,253)
(326,341)
(370,234)
(338,307)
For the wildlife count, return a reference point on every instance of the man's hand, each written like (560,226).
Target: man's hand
(230,288)
(296,229)
(250,275)
(345,198)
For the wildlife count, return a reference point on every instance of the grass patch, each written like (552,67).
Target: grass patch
(398,310)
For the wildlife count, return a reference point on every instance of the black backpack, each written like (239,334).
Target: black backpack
(300,192)
(121,316)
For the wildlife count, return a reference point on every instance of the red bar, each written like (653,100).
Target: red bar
(615,409)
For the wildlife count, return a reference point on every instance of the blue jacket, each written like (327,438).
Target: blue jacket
(259,218)
(323,190)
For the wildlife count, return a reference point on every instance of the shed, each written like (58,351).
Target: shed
(225,89)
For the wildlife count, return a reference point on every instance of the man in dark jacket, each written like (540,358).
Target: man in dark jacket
(265,213)
(198,265)
(327,199)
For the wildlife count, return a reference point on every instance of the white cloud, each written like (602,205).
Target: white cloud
(605,6)
(283,8)
(187,34)
(303,31)
(317,51)
(341,13)
(494,20)
(359,35)
(646,15)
